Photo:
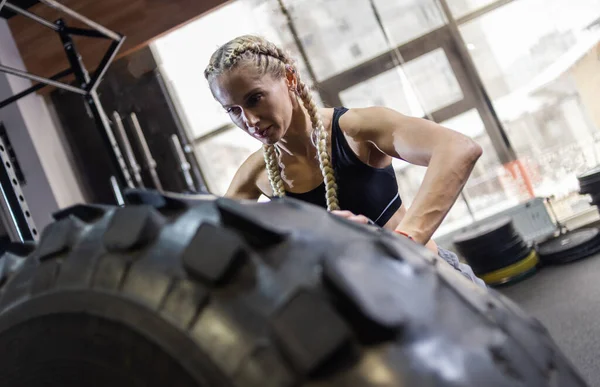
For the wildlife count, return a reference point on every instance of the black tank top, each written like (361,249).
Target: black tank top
(362,189)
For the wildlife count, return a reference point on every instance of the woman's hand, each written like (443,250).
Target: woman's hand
(431,245)
(350,216)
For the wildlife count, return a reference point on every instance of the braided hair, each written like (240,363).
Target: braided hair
(271,59)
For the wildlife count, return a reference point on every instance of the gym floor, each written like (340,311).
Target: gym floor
(565,299)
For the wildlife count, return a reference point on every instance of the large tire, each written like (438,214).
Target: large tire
(227,293)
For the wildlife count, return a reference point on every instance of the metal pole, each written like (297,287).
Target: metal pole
(184,166)
(103,66)
(95,106)
(83,19)
(303,54)
(15,216)
(117,191)
(23,74)
(493,125)
(8,218)
(122,134)
(116,156)
(150,162)
(33,88)
(32,16)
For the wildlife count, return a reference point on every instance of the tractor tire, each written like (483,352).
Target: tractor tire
(222,293)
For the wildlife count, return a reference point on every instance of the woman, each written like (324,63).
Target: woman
(352,176)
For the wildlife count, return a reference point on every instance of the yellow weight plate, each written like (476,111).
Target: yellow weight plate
(507,273)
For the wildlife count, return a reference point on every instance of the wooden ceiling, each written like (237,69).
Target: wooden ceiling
(140,21)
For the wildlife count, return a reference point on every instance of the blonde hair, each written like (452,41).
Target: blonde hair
(261,52)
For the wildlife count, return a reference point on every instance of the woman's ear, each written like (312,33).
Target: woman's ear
(291,78)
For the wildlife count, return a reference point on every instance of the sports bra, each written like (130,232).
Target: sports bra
(362,189)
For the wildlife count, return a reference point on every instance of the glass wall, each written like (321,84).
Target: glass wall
(538,60)
(542,75)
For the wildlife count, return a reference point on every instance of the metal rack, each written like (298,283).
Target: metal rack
(16,217)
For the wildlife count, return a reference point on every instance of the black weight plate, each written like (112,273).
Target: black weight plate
(575,254)
(484,263)
(589,176)
(492,246)
(514,247)
(595,201)
(501,226)
(589,188)
(568,242)
(520,249)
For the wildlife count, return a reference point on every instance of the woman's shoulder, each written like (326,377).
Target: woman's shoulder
(247,181)
(346,120)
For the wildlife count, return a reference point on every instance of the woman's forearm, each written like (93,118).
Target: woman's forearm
(447,173)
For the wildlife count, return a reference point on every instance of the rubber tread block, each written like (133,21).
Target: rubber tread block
(256,233)
(132,227)
(213,252)
(309,331)
(84,212)
(56,238)
(365,281)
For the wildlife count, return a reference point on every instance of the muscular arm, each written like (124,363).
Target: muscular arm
(244,184)
(448,155)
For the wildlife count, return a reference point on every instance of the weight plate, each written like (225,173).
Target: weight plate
(499,227)
(595,197)
(589,188)
(514,272)
(590,176)
(485,261)
(574,254)
(568,242)
(520,249)
(492,242)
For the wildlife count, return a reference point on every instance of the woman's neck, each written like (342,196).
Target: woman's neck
(297,139)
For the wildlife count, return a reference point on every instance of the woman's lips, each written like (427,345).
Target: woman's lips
(263,132)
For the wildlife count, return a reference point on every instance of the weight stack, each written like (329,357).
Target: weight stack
(589,184)
(569,247)
(497,253)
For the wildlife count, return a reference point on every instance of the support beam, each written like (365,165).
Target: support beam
(90,23)
(31,16)
(24,74)
(482,11)
(493,125)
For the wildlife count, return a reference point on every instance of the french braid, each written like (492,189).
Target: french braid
(253,48)
(271,161)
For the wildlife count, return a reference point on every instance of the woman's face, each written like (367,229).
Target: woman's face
(261,105)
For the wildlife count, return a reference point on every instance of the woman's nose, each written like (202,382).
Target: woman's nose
(250,118)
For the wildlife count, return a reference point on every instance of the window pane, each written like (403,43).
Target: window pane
(425,84)
(542,74)
(434,80)
(406,20)
(386,89)
(340,34)
(462,7)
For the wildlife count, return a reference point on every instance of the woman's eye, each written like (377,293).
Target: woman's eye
(233,110)
(254,99)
